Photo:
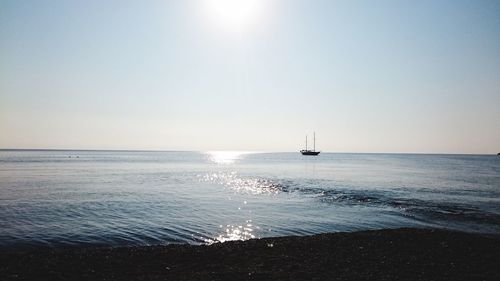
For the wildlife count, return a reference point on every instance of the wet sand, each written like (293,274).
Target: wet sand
(398,254)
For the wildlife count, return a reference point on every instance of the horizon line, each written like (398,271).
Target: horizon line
(251,151)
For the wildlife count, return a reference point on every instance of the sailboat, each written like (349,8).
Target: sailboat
(308,151)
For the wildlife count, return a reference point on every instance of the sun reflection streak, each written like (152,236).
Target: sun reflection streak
(235,232)
(245,185)
(226,157)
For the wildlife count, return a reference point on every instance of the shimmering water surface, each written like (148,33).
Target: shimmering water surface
(137,198)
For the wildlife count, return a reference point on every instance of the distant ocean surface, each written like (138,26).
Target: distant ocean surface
(60,198)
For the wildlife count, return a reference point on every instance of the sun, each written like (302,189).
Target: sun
(234,14)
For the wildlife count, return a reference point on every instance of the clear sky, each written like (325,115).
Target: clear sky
(367,76)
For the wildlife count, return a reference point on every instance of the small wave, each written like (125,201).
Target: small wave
(231,232)
(427,209)
(435,210)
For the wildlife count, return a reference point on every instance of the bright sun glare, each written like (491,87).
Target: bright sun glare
(226,157)
(234,14)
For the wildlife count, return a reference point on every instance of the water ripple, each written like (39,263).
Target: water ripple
(241,184)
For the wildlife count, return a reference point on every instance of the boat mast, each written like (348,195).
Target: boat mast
(314,148)
(306,142)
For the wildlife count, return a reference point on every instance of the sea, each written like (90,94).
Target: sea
(60,198)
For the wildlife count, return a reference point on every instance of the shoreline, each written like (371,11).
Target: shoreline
(388,254)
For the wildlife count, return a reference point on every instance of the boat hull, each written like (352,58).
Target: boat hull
(309,152)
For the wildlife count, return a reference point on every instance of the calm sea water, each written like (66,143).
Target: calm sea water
(60,198)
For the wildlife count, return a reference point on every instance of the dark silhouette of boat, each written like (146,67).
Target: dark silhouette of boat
(308,151)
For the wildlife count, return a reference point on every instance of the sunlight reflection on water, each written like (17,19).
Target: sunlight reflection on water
(231,180)
(240,184)
(235,232)
(226,157)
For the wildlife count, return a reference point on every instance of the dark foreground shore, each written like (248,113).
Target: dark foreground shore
(399,254)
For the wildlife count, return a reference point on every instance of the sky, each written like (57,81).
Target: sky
(253,75)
